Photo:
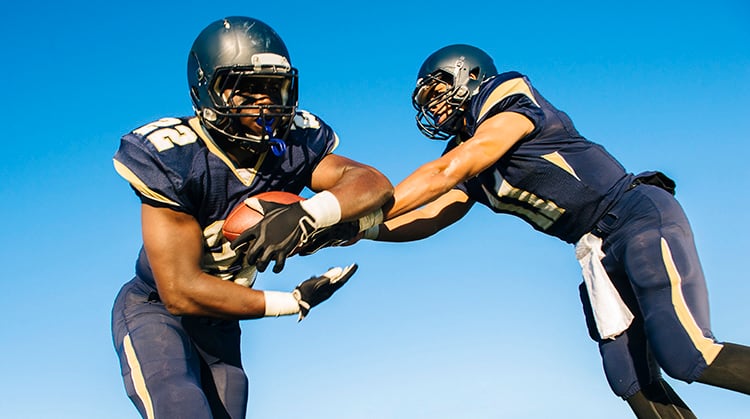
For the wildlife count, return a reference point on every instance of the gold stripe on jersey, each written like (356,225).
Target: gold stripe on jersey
(559,161)
(139,185)
(707,347)
(139,383)
(245,175)
(505,89)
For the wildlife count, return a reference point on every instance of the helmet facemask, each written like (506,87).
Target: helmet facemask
(439,102)
(267,96)
(446,82)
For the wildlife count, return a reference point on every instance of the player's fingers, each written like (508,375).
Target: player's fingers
(256,251)
(244,239)
(252,257)
(348,272)
(279,262)
(339,275)
(264,259)
(261,266)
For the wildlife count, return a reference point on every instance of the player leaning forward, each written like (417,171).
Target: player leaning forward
(509,149)
(175,325)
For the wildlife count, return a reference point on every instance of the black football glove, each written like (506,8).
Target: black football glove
(282,229)
(335,235)
(315,290)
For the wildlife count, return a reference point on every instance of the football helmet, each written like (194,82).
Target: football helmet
(447,79)
(239,67)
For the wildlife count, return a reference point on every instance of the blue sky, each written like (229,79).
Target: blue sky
(481,321)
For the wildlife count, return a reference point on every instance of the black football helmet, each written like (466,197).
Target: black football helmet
(233,61)
(448,78)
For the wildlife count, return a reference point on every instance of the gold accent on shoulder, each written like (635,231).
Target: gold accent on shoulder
(141,186)
(505,89)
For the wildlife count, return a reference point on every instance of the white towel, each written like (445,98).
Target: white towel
(610,312)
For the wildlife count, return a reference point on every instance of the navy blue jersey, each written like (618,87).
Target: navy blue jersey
(174,163)
(553,178)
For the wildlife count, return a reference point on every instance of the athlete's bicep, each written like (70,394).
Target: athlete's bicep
(492,139)
(331,170)
(173,243)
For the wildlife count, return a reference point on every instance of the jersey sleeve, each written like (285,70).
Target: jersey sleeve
(511,93)
(158,174)
(315,140)
(325,141)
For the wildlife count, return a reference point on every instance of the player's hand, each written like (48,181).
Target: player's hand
(341,234)
(282,229)
(315,290)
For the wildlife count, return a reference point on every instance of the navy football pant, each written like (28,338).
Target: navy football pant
(177,367)
(651,258)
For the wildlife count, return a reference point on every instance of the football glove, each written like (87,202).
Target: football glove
(335,235)
(315,290)
(282,229)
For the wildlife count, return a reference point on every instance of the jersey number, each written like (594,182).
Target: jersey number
(542,213)
(166,133)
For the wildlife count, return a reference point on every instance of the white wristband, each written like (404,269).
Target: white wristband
(324,208)
(372,233)
(280,303)
(371,219)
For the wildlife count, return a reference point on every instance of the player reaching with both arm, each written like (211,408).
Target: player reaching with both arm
(176,324)
(644,294)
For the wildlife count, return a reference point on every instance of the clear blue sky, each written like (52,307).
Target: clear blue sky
(481,321)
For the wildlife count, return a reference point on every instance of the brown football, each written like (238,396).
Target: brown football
(243,217)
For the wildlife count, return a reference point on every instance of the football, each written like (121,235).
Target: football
(243,217)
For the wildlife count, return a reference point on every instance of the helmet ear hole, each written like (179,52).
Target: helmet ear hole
(474,73)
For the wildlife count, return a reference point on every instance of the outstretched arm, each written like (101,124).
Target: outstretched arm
(426,201)
(411,226)
(425,221)
(493,138)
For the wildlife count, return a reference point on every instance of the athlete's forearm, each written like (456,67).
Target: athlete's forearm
(425,221)
(359,189)
(210,296)
(429,182)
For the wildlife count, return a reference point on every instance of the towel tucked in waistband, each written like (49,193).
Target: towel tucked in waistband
(611,314)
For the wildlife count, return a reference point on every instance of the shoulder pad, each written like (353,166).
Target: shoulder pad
(305,119)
